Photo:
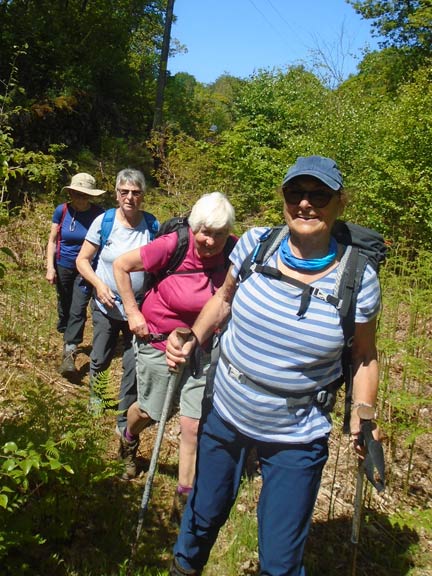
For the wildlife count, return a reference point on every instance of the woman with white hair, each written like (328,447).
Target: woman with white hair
(175,301)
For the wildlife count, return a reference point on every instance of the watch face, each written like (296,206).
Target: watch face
(366,412)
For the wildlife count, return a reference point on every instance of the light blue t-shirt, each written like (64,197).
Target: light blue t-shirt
(269,343)
(121,240)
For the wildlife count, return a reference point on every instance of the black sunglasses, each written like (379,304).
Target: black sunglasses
(318,198)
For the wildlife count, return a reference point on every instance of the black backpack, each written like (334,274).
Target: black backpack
(181,226)
(363,246)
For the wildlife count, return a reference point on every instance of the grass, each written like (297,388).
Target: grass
(87,521)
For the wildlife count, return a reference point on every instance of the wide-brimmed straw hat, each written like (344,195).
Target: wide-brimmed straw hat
(84,183)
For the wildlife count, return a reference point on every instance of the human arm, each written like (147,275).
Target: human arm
(84,265)
(213,315)
(122,267)
(51,274)
(365,382)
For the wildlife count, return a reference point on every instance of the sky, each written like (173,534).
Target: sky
(240,37)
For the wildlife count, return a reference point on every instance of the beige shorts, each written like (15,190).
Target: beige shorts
(152,382)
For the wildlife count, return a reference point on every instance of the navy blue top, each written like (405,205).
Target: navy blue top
(73,232)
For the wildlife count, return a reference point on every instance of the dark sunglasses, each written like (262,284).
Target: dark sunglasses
(124,192)
(318,198)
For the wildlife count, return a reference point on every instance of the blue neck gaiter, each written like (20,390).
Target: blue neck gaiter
(314,264)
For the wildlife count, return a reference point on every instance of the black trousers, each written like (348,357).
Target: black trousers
(72,301)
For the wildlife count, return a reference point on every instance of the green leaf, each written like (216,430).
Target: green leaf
(10,447)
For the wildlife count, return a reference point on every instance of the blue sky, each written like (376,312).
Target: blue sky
(239,37)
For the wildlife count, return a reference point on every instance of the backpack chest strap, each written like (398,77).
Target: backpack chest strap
(307,289)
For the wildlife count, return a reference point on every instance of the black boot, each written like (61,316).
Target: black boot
(176,570)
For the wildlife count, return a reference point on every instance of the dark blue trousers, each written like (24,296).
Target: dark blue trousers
(291,476)
(72,301)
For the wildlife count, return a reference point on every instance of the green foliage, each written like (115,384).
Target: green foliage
(16,163)
(390,168)
(7,252)
(197,110)
(26,470)
(91,72)
(49,471)
(401,22)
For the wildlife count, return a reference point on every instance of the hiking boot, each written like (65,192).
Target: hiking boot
(67,367)
(178,506)
(176,570)
(127,453)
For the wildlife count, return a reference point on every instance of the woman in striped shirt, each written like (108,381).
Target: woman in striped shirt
(275,357)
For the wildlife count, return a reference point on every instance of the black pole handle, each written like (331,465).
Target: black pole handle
(374,465)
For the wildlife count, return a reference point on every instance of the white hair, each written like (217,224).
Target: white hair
(213,211)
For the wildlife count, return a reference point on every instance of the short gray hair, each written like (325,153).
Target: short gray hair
(213,211)
(131,175)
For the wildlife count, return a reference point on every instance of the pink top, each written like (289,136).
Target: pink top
(178,299)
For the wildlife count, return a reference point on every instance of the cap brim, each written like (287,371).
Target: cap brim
(88,191)
(323,177)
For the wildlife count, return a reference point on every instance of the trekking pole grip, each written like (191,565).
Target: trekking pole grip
(183,335)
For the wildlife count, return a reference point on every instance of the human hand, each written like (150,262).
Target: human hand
(359,415)
(105,295)
(137,323)
(180,344)
(51,275)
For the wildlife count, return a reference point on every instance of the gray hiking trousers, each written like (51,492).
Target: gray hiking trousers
(106,334)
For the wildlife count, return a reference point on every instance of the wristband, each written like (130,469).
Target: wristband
(365,411)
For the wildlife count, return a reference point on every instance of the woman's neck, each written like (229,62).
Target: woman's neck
(80,207)
(309,247)
(129,219)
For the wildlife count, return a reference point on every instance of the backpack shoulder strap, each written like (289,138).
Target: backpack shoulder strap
(350,274)
(59,228)
(152,224)
(268,243)
(180,252)
(228,248)
(106,226)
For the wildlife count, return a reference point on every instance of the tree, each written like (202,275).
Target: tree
(403,23)
(89,68)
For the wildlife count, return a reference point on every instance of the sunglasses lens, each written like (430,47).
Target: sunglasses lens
(293,196)
(318,198)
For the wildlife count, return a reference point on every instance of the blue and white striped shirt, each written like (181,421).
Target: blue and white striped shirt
(267,342)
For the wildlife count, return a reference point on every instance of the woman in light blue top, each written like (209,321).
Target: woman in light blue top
(276,356)
(129,230)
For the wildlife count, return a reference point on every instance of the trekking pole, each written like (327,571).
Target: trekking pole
(373,467)
(182,336)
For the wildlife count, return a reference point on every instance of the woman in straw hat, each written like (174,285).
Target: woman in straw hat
(70,223)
